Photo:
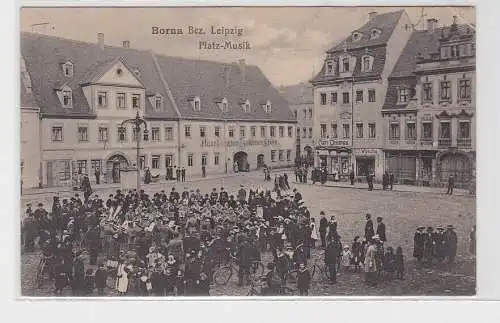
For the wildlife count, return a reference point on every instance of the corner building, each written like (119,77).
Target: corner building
(349,93)
(197,112)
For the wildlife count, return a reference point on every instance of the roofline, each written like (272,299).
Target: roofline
(341,80)
(402,110)
(161,118)
(165,85)
(330,51)
(111,84)
(237,120)
(49,115)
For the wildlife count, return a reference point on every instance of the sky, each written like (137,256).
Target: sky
(287,43)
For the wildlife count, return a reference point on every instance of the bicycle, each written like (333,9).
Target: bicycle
(44,266)
(320,271)
(224,273)
(258,287)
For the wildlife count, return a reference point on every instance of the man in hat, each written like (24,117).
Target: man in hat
(369,232)
(174,195)
(451,184)
(418,243)
(223,197)
(332,253)
(203,170)
(429,246)
(381,229)
(30,231)
(177,174)
(440,243)
(242,195)
(183,174)
(450,239)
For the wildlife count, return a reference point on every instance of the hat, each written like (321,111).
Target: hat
(440,228)
(449,227)
(346,247)
(430,228)
(242,185)
(420,227)
(321,213)
(40,204)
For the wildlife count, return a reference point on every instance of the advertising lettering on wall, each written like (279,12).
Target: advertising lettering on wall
(238,143)
(333,142)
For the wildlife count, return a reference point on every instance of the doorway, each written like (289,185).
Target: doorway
(240,160)
(260,161)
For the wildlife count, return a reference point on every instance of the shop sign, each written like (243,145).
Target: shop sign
(366,151)
(238,143)
(333,142)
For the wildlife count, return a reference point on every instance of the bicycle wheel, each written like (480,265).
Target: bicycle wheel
(222,275)
(39,272)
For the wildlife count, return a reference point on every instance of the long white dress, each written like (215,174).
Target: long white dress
(122,282)
(314,232)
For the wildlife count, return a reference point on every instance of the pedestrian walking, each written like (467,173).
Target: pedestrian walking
(399,263)
(451,184)
(369,233)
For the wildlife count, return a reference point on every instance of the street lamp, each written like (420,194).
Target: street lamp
(136,123)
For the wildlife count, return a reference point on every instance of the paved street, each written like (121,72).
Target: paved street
(402,211)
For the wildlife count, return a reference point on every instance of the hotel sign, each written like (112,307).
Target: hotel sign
(238,143)
(333,142)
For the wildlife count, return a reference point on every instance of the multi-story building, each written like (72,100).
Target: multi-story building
(349,93)
(197,112)
(429,111)
(300,99)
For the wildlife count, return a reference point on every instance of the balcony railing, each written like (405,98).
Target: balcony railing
(411,141)
(426,141)
(394,141)
(444,142)
(464,142)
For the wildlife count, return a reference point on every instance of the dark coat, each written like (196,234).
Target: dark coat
(418,245)
(381,231)
(369,233)
(303,279)
(100,278)
(332,252)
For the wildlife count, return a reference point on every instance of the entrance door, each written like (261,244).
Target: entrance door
(113,167)
(240,161)
(457,165)
(116,172)
(260,160)
(364,166)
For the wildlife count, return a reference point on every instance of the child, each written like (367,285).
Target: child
(88,283)
(100,279)
(346,258)
(303,280)
(399,263)
(180,284)
(356,253)
(389,262)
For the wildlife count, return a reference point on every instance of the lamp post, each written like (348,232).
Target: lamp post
(136,123)
(346,84)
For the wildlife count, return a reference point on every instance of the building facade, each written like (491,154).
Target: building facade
(430,108)
(301,101)
(196,112)
(349,93)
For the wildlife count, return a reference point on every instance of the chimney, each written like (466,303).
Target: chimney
(431,24)
(100,40)
(242,64)
(126,44)
(371,15)
(226,72)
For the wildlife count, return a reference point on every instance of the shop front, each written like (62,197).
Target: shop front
(335,157)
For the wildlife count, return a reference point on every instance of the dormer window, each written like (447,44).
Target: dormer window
(158,102)
(268,107)
(225,105)
(67,98)
(196,104)
(137,72)
(367,63)
(404,95)
(246,106)
(375,33)
(329,67)
(356,36)
(67,69)
(345,64)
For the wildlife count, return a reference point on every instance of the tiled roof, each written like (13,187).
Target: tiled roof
(378,54)
(385,22)
(298,94)
(45,54)
(27,100)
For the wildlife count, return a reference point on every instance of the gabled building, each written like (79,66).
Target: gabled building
(349,93)
(197,112)
(429,110)
(300,99)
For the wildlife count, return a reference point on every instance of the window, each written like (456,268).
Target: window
(136,101)
(305,114)
(310,113)
(102,100)
(155,134)
(464,129)
(371,95)
(323,130)
(445,52)
(281,130)
(142,162)
(310,132)
(356,37)
(169,133)
(403,95)
(158,102)
(304,133)
(345,98)
(216,158)
(280,155)
(273,156)
(333,98)
(204,158)
(411,132)
(359,96)
(120,100)
(225,106)
(329,67)
(290,131)
(427,130)
(246,106)
(445,91)
(346,130)
(455,51)
(67,98)
(323,99)
(122,134)
(295,114)
(242,132)
(81,166)
(366,64)
(83,134)
(375,33)
(427,87)
(197,104)
(298,132)
(444,130)
(253,131)
(359,130)
(272,131)
(334,130)
(345,64)
(168,160)
(155,162)
(231,132)
(187,131)
(371,130)
(464,89)
(134,134)
(190,160)
(103,134)
(217,131)
(288,154)
(263,131)
(268,107)
(203,131)
(68,69)
(96,164)
(394,130)
(66,173)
